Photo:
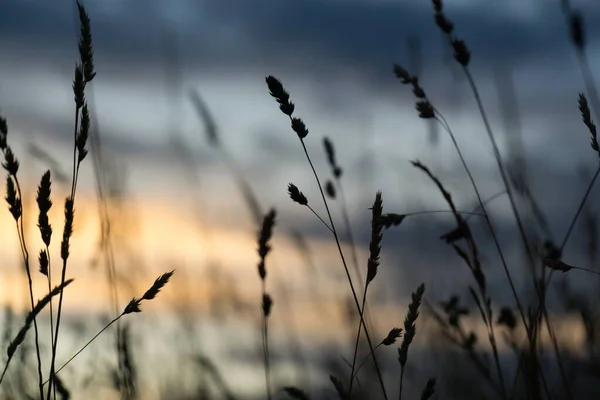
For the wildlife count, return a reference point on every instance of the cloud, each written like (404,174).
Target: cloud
(325,36)
(336,58)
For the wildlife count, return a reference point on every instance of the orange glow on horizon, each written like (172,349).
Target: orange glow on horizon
(162,237)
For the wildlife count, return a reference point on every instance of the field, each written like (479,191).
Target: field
(303,200)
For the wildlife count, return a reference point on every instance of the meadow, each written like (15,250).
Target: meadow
(464,270)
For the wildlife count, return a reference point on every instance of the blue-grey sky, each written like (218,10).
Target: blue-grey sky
(335,58)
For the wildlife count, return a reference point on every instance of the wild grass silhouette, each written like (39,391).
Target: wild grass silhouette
(516,355)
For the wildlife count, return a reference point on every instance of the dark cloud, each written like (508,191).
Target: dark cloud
(326,44)
(319,38)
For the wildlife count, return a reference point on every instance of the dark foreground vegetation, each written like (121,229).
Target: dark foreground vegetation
(518,356)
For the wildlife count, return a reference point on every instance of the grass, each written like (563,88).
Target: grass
(521,327)
(84,74)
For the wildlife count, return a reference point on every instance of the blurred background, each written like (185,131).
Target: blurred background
(189,151)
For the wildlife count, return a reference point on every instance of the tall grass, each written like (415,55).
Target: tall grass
(84,73)
(522,326)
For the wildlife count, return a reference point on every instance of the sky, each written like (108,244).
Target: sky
(179,204)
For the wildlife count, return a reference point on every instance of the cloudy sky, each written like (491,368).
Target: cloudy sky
(335,58)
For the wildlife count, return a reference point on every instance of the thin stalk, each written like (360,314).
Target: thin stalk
(337,241)
(106,245)
(590,85)
(75,163)
(550,275)
(49,291)
(348,225)
(365,360)
(510,193)
(588,78)
(82,349)
(21,233)
(320,219)
(265,333)
(492,337)
(364,301)
(579,209)
(401,383)
(486,311)
(486,201)
(459,342)
(500,164)
(58,318)
(20,337)
(64,265)
(267,359)
(251,200)
(255,208)
(446,126)
(573,222)
(4,370)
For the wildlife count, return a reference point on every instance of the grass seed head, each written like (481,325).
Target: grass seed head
(83,134)
(44,205)
(376,238)
(586,117)
(339,387)
(330,189)
(418,91)
(86,53)
(3,126)
(20,337)
(441,20)
(425,109)
(264,237)
(11,164)
(159,283)
(577,30)
(79,86)
(210,125)
(296,195)
(299,127)
(461,52)
(267,304)
(557,265)
(551,251)
(43,260)
(68,231)
(13,200)
(390,219)
(444,23)
(409,324)
(330,152)
(278,92)
(295,393)
(470,341)
(507,317)
(402,74)
(43,193)
(134,305)
(394,334)
(3,133)
(429,389)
